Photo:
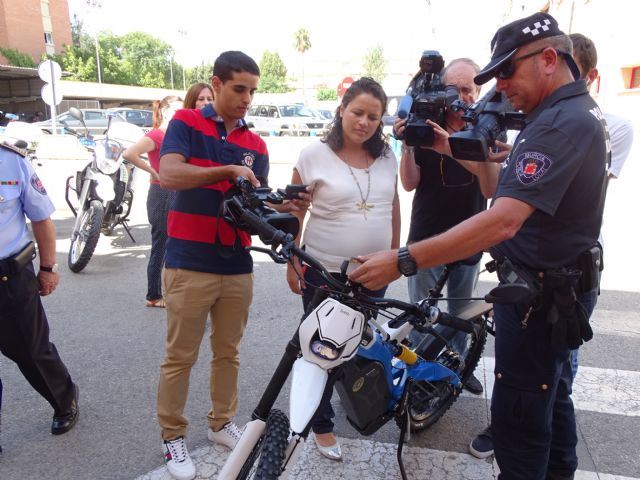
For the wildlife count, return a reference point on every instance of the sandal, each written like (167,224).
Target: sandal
(158,303)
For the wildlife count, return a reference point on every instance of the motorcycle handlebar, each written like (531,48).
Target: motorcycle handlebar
(454,322)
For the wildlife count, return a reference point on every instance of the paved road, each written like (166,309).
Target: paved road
(113,346)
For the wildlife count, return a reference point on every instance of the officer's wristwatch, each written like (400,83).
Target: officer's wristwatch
(406,263)
(52,269)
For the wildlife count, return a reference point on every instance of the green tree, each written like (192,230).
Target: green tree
(200,73)
(375,65)
(17,58)
(327,94)
(273,73)
(302,44)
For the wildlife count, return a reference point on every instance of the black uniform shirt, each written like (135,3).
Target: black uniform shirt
(446,195)
(558,166)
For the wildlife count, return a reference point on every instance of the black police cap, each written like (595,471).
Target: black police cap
(509,38)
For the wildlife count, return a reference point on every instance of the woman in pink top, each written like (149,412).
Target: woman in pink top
(158,199)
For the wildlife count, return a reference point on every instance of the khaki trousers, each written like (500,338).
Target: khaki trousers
(191,297)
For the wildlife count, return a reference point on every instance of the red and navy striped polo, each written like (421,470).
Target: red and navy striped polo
(199,238)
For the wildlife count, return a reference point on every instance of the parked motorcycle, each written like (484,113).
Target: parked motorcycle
(104,189)
(359,344)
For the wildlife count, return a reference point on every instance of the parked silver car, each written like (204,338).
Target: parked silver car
(95,119)
(285,119)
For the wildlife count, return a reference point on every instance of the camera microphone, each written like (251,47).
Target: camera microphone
(405,105)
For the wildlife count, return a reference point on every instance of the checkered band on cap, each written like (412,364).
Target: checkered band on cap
(514,35)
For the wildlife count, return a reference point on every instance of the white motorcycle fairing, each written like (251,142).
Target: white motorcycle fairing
(334,325)
(307,386)
(239,454)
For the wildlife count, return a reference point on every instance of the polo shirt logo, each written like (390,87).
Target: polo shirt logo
(36,183)
(531,166)
(248,158)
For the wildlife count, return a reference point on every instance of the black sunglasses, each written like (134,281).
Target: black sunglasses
(507,70)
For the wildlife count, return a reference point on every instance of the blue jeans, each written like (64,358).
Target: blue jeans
(532,416)
(461,283)
(322,422)
(158,202)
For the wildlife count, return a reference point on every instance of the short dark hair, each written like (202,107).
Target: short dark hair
(234,61)
(377,144)
(585,52)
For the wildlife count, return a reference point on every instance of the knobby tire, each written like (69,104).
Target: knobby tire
(90,229)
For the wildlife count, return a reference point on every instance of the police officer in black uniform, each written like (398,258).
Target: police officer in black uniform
(542,229)
(24,330)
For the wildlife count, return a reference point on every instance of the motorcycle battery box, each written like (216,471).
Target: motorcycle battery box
(364,392)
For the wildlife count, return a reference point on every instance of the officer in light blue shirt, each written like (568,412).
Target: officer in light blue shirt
(24,329)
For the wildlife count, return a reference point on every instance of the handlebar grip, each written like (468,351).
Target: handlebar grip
(455,322)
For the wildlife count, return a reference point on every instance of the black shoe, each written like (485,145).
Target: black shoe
(482,445)
(64,423)
(473,385)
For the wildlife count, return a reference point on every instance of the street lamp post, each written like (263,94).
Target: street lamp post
(171,69)
(96,4)
(183,33)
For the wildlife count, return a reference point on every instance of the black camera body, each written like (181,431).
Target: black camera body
(426,99)
(244,196)
(488,120)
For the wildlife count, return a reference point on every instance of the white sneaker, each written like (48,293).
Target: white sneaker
(227,436)
(177,458)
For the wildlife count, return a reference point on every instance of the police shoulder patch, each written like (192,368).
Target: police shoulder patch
(36,183)
(531,166)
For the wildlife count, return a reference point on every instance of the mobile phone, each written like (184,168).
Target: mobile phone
(291,191)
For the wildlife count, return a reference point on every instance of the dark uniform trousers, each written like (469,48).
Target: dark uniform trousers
(24,338)
(532,415)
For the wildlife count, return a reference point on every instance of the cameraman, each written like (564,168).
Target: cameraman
(445,195)
(544,222)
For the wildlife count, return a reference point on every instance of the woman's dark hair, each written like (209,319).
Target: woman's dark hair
(377,144)
(194,91)
(234,61)
(159,106)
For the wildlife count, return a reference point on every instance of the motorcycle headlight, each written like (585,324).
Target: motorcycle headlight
(324,350)
(108,156)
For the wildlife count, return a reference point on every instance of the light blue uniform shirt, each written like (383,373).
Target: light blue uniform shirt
(21,193)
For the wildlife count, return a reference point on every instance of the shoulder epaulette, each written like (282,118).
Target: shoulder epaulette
(20,151)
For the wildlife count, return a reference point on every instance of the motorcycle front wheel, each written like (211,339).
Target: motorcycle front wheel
(270,449)
(84,244)
(430,400)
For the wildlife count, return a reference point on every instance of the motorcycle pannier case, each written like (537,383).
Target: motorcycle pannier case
(364,393)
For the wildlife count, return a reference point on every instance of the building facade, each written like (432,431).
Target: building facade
(34,27)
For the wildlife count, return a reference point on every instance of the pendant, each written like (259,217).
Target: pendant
(364,206)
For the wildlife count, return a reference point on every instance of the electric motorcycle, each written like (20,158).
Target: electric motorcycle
(104,189)
(355,342)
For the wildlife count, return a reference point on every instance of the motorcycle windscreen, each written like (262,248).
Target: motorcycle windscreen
(307,387)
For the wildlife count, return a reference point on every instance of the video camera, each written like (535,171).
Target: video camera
(243,196)
(427,99)
(489,119)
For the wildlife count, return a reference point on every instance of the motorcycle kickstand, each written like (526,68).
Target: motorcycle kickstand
(404,409)
(126,229)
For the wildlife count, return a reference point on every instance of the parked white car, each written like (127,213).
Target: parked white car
(285,119)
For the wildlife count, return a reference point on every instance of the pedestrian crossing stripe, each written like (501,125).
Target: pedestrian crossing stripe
(372,460)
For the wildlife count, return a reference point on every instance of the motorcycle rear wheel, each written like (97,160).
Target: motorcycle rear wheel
(270,448)
(431,405)
(83,246)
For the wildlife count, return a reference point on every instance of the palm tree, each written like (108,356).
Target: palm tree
(302,44)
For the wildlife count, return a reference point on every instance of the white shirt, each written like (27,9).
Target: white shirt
(336,229)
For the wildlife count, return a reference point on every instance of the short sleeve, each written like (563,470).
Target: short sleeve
(36,203)
(540,168)
(177,139)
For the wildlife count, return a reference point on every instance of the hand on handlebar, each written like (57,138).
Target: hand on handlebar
(377,269)
(295,276)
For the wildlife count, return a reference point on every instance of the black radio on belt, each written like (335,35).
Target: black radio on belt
(591,264)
